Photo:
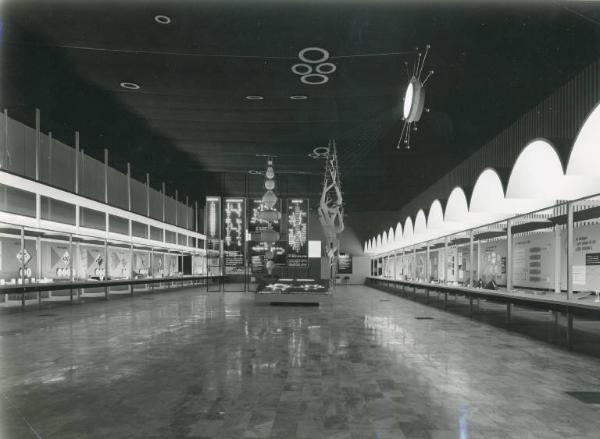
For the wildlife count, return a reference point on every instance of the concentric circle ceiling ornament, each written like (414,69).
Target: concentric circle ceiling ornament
(130,85)
(308,55)
(302,69)
(414,98)
(255,97)
(314,79)
(317,57)
(298,97)
(162,19)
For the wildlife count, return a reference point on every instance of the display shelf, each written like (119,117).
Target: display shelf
(583,306)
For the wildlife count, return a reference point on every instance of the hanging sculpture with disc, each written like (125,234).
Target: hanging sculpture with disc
(414,98)
(331,208)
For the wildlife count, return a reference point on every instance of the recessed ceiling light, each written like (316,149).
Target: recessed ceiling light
(255,97)
(130,85)
(162,19)
(298,97)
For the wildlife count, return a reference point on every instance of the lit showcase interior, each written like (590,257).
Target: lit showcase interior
(539,236)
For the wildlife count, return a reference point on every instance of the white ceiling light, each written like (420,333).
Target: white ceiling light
(162,19)
(298,97)
(314,79)
(326,68)
(255,97)
(301,69)
(130,85)
(308,55)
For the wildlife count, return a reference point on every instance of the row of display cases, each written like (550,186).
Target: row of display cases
(31,256)
(552,250)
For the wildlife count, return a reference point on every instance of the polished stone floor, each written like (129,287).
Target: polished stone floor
(191,364)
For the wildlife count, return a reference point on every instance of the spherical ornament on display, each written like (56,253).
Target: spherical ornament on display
(270,174)
(269,184)
(269,199)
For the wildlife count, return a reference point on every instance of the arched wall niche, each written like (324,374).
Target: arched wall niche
(457,208)
(408,228)
(435,218)
(398,233)
(488,194)
(585,153)
(537,173)
(420,223)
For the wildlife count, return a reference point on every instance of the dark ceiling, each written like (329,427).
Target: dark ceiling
(190,120)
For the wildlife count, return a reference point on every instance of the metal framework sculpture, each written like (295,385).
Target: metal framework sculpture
(331,207)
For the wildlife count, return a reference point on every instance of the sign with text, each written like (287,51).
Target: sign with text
(212,223)
(234,233)
(297,232)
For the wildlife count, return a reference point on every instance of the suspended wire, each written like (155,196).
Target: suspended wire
(211,55)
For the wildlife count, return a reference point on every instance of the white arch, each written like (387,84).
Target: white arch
(582,176)
(435,219)
(408,229)
(420,223)
(585,154)
(378,245)
(366,248)
(391,238)
(384,241)
(488,195)
(398,233)
(537,174)
(457,209)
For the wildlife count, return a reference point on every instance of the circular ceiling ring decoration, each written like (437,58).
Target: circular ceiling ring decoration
(320,152)
(162,19)
(255,172)
(326,68)
(130,85)
(305,56)
(314,79)
(255,97)
(298,97)
(302,69)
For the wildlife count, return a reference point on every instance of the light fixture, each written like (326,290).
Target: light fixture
(162,19)
(326,68)
(298,97)
(130,85)
(301,69)
(255,97)
(314,79)
(304,52)
(414,98)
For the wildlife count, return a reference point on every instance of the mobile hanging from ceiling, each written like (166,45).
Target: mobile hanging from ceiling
(414,98)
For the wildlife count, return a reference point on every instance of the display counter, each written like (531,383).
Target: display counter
(20,292)
(293,291)
(583,303)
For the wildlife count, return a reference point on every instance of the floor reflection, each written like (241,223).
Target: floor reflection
(197,364)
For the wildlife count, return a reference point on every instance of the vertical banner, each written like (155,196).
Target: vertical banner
(234,234)
(297,243)
(212,223)
(260,222)
(345,263)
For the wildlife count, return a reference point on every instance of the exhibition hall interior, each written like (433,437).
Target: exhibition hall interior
(299,219)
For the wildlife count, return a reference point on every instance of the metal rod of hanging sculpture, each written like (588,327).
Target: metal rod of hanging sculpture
(331,209)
